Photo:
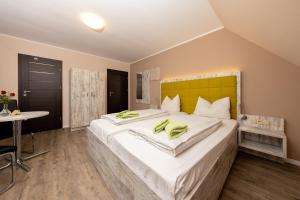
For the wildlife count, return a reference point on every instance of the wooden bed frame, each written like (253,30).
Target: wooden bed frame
(124,184)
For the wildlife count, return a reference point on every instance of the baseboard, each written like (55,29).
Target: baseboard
(293,162)
(269,157)
(78,129)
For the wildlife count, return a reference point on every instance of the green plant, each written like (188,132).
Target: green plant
(5,97)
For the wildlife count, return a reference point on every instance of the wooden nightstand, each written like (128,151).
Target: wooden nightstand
(263,134)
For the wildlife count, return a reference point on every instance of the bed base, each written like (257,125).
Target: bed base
(124,184)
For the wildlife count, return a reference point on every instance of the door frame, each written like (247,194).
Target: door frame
(20,88)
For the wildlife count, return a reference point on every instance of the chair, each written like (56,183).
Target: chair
(6,127)
(4,151)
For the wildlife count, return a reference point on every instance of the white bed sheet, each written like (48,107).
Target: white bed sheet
(172,177)
(143,115)
(198,129)
(104,128)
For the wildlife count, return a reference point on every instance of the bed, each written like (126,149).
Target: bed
(125,162)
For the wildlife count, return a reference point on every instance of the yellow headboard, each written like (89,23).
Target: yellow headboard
(211,87)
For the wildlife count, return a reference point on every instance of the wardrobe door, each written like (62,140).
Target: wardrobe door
(85,98)
(75,97)
(97,92)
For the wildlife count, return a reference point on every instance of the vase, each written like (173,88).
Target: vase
(5,111)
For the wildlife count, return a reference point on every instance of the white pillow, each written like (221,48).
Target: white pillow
(218,109)
(165,103)
(171,105)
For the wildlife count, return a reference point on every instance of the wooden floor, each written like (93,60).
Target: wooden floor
(67,173)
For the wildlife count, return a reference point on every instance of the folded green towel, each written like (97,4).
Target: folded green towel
(175,130)
(160,125)
(121,113)
(128,114)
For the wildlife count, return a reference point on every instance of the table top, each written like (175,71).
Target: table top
(24,116)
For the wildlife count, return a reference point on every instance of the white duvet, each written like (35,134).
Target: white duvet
(143,114)
(198,129)
(173,178)
(104,128)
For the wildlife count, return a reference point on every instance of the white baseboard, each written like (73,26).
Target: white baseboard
(293,162)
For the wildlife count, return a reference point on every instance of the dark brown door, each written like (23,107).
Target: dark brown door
(40,89)
(117,91)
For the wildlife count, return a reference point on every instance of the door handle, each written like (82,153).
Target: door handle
(25,92)
(111,93)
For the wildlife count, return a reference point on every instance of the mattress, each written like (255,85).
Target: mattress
(143,115)
(104,128)
(172,177)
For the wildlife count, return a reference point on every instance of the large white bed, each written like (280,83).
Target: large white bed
(167,176)
(134,168)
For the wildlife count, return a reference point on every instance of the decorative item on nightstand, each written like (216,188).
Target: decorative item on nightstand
(263,134)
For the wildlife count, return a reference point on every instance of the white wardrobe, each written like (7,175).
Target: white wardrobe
(87,96)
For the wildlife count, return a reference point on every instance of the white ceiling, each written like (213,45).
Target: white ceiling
(135,28)
(271,24)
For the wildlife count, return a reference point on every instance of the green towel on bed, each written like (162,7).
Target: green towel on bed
(175,130)
(121,113)
(160,125)
(128,114)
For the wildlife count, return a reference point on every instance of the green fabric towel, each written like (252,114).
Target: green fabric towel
(175,130)
(160,125)
(128,114)
(121,113)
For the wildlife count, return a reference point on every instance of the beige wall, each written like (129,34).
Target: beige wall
(270,85)
(10,47)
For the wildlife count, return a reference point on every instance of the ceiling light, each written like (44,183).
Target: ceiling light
(93,21)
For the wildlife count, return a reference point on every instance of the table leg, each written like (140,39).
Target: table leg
(17,131)
(33,154)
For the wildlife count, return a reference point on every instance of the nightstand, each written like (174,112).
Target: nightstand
(263,134)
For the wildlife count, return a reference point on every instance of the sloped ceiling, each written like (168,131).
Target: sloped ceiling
(135,28)
(271,24)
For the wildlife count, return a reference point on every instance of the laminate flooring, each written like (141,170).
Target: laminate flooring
(66,172)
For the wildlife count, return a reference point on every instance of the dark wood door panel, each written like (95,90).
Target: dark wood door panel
(117,91)
(40,88)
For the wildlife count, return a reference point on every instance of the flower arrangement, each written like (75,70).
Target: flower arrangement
(6,96)
(4,99)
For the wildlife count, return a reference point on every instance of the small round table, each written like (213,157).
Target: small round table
(17,132)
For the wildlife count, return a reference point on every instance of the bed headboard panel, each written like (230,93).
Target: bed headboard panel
(210,87)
